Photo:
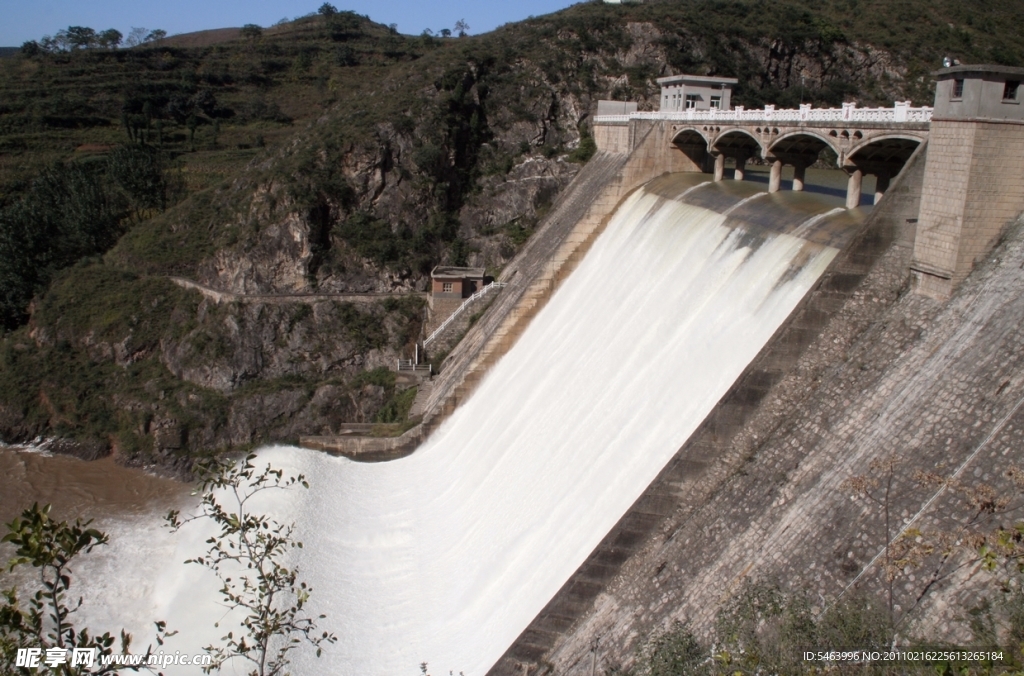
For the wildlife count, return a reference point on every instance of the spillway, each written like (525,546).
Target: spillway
(445,556)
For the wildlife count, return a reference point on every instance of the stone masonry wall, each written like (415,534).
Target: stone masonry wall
(972,190)
(864,279)
(939,387)
(452,333)
(995,194)
(439,310)
(943,196)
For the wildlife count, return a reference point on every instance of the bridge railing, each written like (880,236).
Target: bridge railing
(901,112)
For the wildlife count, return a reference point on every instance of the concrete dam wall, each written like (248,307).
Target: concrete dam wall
(937,386)
(871,272)
(447,555)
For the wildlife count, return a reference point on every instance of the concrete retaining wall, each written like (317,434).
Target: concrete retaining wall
(366,448)
(862,281)
(612,138)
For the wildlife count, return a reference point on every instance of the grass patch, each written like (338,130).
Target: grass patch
(396,409)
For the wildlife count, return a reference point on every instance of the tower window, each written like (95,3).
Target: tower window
(716,102)
(691,101)
(958,89)
(1010,90)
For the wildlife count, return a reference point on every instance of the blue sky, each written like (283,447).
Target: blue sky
(31,19)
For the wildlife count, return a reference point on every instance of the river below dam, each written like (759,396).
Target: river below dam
(445,556)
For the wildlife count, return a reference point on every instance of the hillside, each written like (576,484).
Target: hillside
(331,155)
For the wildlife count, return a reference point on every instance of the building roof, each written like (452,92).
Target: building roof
(696,79)
(452,272)
(980,69)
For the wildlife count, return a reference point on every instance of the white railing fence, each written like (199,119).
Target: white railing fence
(411,365)
(901,112)
(479,294)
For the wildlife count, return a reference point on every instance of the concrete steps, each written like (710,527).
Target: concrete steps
(419,404)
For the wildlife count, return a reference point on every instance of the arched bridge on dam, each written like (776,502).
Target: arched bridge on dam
(861,141)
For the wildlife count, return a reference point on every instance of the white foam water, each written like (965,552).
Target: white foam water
(445,556)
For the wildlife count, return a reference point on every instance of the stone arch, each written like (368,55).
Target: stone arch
(801,145)
(737,140)
(883,155)
(885,147)
(692,142)
(738,144)
(685,135)
(799,148)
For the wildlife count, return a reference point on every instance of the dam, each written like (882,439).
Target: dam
(446,555)
(662,321)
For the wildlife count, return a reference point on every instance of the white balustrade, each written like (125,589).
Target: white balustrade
(900,113)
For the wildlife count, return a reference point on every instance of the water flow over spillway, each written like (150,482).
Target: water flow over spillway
(446,556)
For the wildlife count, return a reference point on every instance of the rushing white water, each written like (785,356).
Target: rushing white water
(446,556)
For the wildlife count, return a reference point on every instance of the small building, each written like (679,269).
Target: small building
(449,287)
(696,92)
(451,283)
(979,92)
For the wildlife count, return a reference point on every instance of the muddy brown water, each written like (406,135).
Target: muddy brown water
(76,488)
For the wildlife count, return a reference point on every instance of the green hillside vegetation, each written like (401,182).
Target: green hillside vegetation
(307,123)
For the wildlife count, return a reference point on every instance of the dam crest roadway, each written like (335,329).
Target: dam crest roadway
(864,141)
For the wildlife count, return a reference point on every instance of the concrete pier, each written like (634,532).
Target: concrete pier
(775,177)
(798,177)
(853,188)
(741,165)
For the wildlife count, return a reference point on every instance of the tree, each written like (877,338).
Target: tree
(445,32)
(110,38)
(252,32)
(327,9)
(247,556)
(461,27)
(31,48)
(81,37)
(60,42)
(156,35)
(138,172)
(586,149)
(66,213)
(136,36)
(45,622)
